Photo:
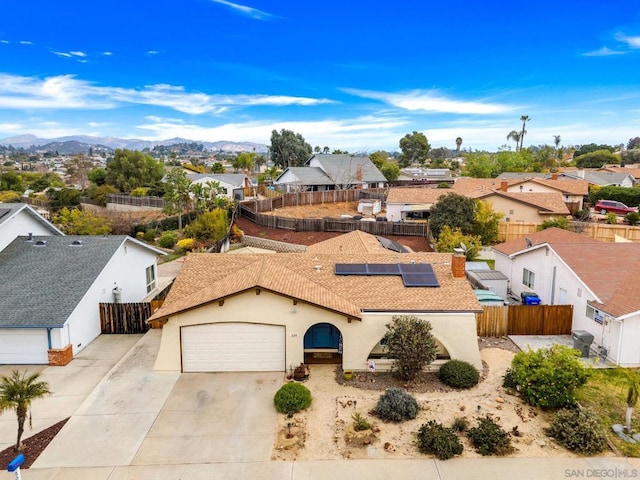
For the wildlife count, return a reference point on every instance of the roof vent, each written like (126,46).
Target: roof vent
(40,243)
(318,268)
(30,237)
(76,243)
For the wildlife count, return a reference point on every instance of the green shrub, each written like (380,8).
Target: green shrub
(459,374)
(396,405)
(186,244)
(489,438)
(150,235)
(411,345)
(578,430)
(549,377)
(167,239)
(460,424)
(360,422)
(438,440)
(611,219)
(632,218)
(291,398)
(509,380)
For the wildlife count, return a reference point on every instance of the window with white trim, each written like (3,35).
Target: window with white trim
(151,278)
(528,278)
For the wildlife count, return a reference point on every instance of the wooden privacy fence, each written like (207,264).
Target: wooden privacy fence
(296,199)
(524,320)
(341,225)
(121,318)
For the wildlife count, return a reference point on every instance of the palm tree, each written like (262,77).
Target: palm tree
(524,119)
(458,145)
(515,136)
(556,141)
(17,391)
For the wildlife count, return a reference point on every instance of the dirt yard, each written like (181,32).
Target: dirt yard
(324,431)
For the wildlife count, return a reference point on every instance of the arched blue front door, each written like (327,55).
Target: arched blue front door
(322,335)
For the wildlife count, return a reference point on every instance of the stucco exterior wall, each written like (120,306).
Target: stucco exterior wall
(456,332)
(394,211)
(515,211)
(21,224)
(630,339)
(127,270)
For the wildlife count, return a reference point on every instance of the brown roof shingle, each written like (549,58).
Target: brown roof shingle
(310,277)
(551,236)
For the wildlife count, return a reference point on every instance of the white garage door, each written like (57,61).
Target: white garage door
(23,346)
(233,347)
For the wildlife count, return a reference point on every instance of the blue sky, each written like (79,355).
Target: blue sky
(352,75)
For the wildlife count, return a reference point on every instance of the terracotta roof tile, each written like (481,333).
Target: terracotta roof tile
(568,186)
(352,242)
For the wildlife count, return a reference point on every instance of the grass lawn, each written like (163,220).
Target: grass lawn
(606,394)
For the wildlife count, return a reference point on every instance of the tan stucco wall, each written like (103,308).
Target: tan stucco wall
(456,332)
(521,212)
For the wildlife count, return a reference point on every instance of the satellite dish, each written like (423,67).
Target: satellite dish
(463,247)
(529,242)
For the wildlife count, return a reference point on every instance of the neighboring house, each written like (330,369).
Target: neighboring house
(232,183)
(425,175)
(601,178)
(632,169)
(573,191)
(331,172)
(599,279)
(49,301)
(414,204)
(273,312)
(21,219)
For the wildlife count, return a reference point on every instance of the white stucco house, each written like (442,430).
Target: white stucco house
(21,219)
(52,286)
(599,279)
(272,312)
(232,183)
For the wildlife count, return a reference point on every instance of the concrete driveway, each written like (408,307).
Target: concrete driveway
(136,416)
(70,385)
(214,417)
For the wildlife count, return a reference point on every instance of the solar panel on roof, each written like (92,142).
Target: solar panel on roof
(415,268)
(420,280)
(383,269)
(391,245)
(351,269)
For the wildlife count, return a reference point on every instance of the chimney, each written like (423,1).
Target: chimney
(554,176)
(30,237)
(504,185)
(458,263)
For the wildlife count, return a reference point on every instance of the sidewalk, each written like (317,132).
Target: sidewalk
(476,469)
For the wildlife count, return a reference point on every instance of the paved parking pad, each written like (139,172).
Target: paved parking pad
(112,422)
(214,417)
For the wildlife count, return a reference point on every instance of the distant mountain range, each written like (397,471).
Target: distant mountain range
(82,143)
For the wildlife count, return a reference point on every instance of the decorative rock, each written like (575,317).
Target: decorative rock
(498,407)
(541,443)
(499,399)
(375,429)
(463,408)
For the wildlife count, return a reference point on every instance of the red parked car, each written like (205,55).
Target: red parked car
(611,206)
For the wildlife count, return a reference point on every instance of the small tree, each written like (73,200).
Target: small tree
(411,345)
(549,377)
(456,211)
(555,222)
(449,239)
(77,222)
(210,226)
(487,222)
(17,391)
(630,379)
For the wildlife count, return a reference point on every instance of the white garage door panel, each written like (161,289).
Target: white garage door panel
(233,347)
(23,346)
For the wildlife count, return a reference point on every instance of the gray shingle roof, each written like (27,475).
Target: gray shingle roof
(348,169)
(229,178)
(43,284)
(308,175)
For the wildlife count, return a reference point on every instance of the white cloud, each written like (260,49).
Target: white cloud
(357,134)
(4,41)
(631,42)
(245,10)
(26,42)
(152,52)
(107,54)
(68,92)
(432,101)
(77,53)
(61,54)
(602,52)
